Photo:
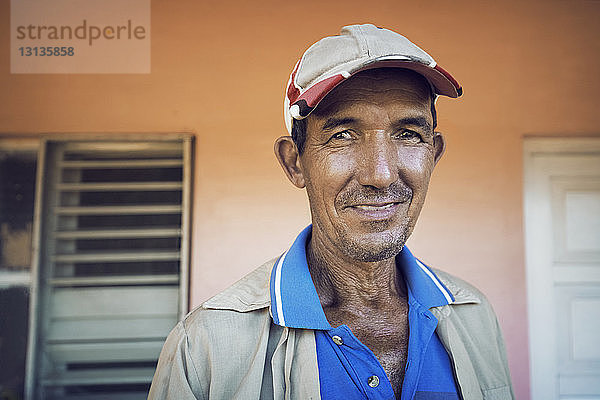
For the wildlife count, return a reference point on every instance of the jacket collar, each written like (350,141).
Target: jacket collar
(257,289)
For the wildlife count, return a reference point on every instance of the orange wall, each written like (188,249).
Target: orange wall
(219,70)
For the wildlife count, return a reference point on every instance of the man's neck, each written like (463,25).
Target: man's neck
(343,282)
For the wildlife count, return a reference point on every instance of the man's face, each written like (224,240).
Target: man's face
(369,154)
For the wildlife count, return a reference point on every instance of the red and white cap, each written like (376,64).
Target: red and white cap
(333,59)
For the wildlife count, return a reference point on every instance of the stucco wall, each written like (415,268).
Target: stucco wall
(219,70)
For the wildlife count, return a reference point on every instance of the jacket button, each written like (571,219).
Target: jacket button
(373,381)
(337,340)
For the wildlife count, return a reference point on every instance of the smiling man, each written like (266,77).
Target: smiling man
(347,312)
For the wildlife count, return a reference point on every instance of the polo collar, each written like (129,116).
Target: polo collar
(424,287)
(294,299)
(295,302)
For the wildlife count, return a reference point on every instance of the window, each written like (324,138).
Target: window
(110,277)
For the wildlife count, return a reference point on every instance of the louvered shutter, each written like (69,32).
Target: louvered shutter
(111,276)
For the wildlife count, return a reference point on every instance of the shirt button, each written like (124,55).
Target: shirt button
(337,340)
(373,381)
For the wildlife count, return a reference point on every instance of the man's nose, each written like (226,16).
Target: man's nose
(378,166)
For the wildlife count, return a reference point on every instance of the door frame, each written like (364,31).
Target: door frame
(538,230)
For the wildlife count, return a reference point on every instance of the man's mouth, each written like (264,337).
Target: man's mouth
(375,207)
(375,211)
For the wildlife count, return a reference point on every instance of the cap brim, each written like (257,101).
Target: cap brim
(441,81)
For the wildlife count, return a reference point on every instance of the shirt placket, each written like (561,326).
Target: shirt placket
(422,325)
(365,370)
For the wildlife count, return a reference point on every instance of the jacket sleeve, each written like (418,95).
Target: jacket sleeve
(508,392)
(176,376)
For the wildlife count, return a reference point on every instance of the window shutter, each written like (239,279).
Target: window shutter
(111,277)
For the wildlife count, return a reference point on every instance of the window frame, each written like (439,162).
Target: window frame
(38,233)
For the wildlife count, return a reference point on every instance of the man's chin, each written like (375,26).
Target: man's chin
(366,248)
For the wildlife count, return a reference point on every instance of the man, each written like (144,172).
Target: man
(347,312)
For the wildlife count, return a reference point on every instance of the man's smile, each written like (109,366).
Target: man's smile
(375,206)
(375,211)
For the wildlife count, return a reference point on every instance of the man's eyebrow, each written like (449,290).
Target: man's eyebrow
(332,123)
(415,121)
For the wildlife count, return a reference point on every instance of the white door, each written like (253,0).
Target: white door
(562,231)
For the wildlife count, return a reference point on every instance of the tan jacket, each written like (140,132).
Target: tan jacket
(229,348)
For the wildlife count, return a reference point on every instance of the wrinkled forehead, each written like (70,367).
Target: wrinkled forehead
(377,84)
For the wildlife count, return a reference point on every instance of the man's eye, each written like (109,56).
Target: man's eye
(343,135)
(409,135)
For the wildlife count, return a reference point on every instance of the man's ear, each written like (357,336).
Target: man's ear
(289,159)
(439,146)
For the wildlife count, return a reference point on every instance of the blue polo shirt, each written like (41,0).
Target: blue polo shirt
(347,368)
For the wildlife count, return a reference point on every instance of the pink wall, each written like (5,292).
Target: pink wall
(219,70)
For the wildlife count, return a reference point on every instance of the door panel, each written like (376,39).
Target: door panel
(562,229)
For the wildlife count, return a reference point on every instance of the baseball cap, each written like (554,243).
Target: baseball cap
(333,59)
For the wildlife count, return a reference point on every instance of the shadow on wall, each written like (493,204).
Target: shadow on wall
(14,306)
(17,188)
